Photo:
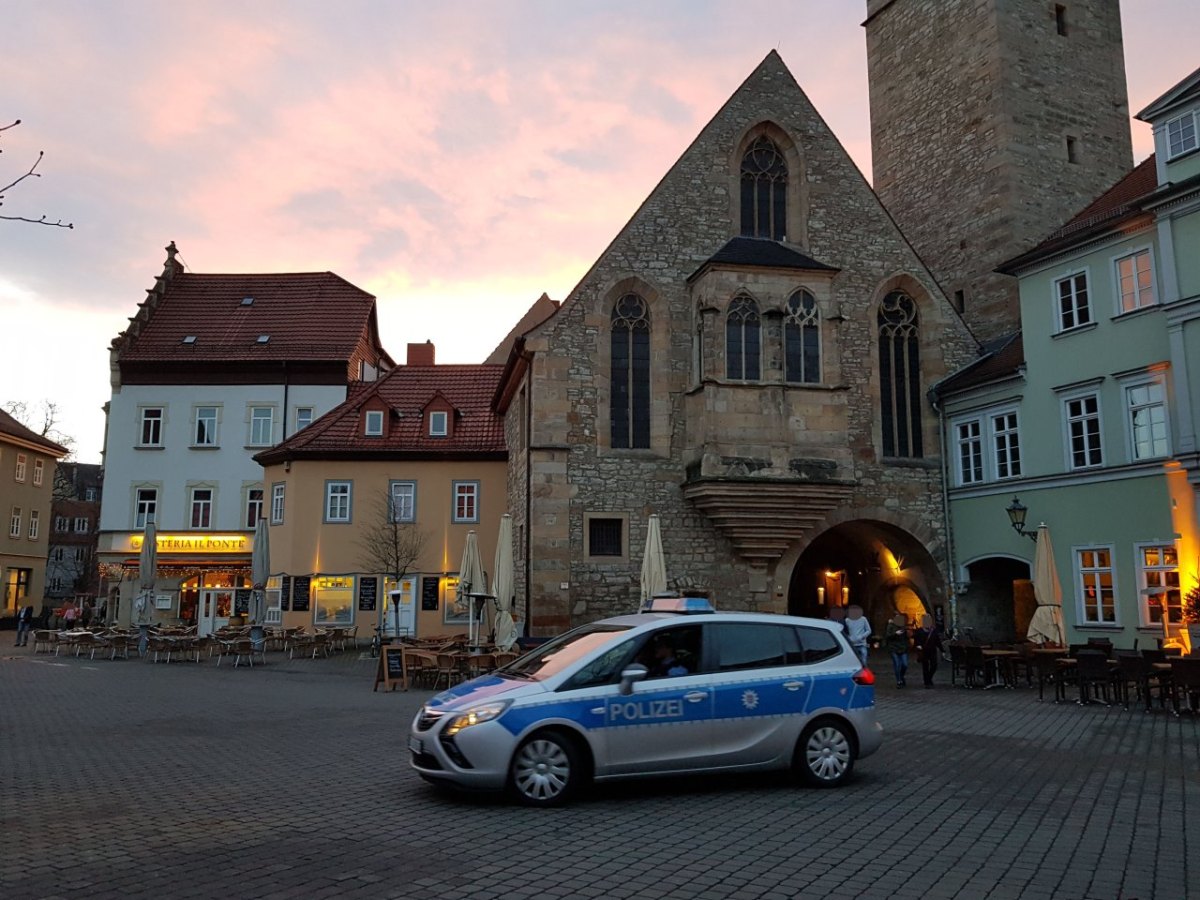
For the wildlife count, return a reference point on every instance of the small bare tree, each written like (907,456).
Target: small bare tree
(390,545)
(32,173)
(43,418)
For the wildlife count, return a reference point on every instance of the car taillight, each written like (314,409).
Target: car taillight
(863,676)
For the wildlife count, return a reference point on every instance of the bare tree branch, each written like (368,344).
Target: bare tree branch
(42,418)
(389,546)
(32,173)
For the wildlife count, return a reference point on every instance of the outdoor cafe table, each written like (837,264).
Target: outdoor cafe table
(996,657)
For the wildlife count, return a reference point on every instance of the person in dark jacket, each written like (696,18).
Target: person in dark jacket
(928,643)
(24,623)
(895,641)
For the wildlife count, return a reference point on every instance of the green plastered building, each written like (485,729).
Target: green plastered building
(1089,415)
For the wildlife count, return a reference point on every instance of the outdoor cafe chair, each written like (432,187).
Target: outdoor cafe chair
(1050,672)
(243,648)
(1093,675)
(119,644)
(1136,673)
(975,666)
(1185,683)
(44,639)
(448,667)
(957,661)
(157,644)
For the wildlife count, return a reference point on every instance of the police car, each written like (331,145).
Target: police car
(676,690)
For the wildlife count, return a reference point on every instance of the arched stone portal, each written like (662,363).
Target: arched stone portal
(998,602)
(880,566)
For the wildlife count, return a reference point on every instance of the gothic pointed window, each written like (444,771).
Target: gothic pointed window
(743,340)
(631,372)
(764,191)
(900,376)
(802,339)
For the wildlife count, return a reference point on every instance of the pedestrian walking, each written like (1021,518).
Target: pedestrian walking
(928,642)
(24,623)
(895,640)
(858,631)
(70,614)
(837,615)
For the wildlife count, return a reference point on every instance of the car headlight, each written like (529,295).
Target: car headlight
(476,715)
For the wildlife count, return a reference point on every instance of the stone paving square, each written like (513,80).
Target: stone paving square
(129,779)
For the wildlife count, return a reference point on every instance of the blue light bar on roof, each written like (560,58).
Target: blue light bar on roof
(685,605)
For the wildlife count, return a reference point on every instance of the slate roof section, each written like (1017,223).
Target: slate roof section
(1120,200)
(1002,358)
(307,316)
(10,427)
(761,253)
(478,431)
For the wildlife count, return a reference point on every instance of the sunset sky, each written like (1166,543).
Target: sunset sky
(455,159)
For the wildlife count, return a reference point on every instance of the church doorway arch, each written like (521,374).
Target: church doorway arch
(876,565)
(998,601)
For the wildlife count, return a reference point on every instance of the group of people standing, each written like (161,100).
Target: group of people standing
(898,640)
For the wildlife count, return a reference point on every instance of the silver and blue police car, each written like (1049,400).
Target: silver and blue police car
(676,690)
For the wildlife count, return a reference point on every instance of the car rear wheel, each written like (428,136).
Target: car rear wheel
(825,754)
(546,770)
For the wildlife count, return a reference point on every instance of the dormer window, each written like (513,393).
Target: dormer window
(263,339)
(1181,135)
(189,339)
(247,301)
(373,426)
(438,424)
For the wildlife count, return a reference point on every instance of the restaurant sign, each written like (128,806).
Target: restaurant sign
(197,543)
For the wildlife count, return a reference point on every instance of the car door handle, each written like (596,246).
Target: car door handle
(793,685)
(598,710)
(695,696)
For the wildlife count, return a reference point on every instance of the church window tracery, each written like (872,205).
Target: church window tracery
(900,376)
(764,191)
(630,424)
(743,340)
(802,339)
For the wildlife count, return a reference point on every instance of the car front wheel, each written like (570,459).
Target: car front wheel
(825,754)
(546,770)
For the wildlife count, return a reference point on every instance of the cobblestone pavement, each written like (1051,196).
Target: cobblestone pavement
(129,779)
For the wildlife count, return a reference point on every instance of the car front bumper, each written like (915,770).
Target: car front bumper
(475,759)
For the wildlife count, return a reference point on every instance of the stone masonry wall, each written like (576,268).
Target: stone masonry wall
(972,105)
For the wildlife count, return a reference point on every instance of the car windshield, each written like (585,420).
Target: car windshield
(554,656)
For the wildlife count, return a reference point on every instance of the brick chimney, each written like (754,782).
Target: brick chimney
(421,354)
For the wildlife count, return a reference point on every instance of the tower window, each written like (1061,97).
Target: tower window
(960,300)
(1060,19)
(764,191)
(630,424)
(1072,150)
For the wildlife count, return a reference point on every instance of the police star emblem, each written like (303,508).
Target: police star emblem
(749,699)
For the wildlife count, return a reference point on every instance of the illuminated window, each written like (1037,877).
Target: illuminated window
(1158,568)
(1097,599)
(1135,281)
(333,600)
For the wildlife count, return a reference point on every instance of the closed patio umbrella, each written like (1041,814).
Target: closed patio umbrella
(260,571)
(502,585)
(1046,624)
(147,563)
(470,580)
(654,564)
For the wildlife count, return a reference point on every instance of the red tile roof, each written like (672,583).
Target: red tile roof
(315,316)
(405,391)
(1003,358)
(14,429)
(1119,200)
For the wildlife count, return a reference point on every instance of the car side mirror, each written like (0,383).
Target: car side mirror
(629,675)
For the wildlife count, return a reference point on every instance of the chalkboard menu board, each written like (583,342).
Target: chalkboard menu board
(429,593)
(241,602)
(300,593)
(367,593)
(391,671)
(285,593)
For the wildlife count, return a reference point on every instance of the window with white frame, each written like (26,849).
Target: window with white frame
(1074,309)
(438,424)
(277,494)
(14,523)
(1158,575)
(373,423)
(254,506)
(1147,411)
(202,505)
(1135,282)
(90,495)
(337,501)
(1083,431)
(261,425)
(466,501)
(1006,442)
(35,524)
(1097,599)
(970,451)
(151,432)
(404,501)
(205,432)
(1181,134)
(81,525)
(62,523)
(39,471)
(145,506)
(304,417)
(19,472)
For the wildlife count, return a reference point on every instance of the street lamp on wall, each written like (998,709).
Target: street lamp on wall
(1016,517)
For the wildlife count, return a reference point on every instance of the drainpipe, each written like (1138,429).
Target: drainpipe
(285,401)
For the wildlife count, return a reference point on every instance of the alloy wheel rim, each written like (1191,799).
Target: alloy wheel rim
(827,753)
(542,770)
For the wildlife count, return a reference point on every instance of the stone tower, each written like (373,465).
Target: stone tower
(992,123)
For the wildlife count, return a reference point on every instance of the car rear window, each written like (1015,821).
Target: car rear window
(818,645)
(754,646)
